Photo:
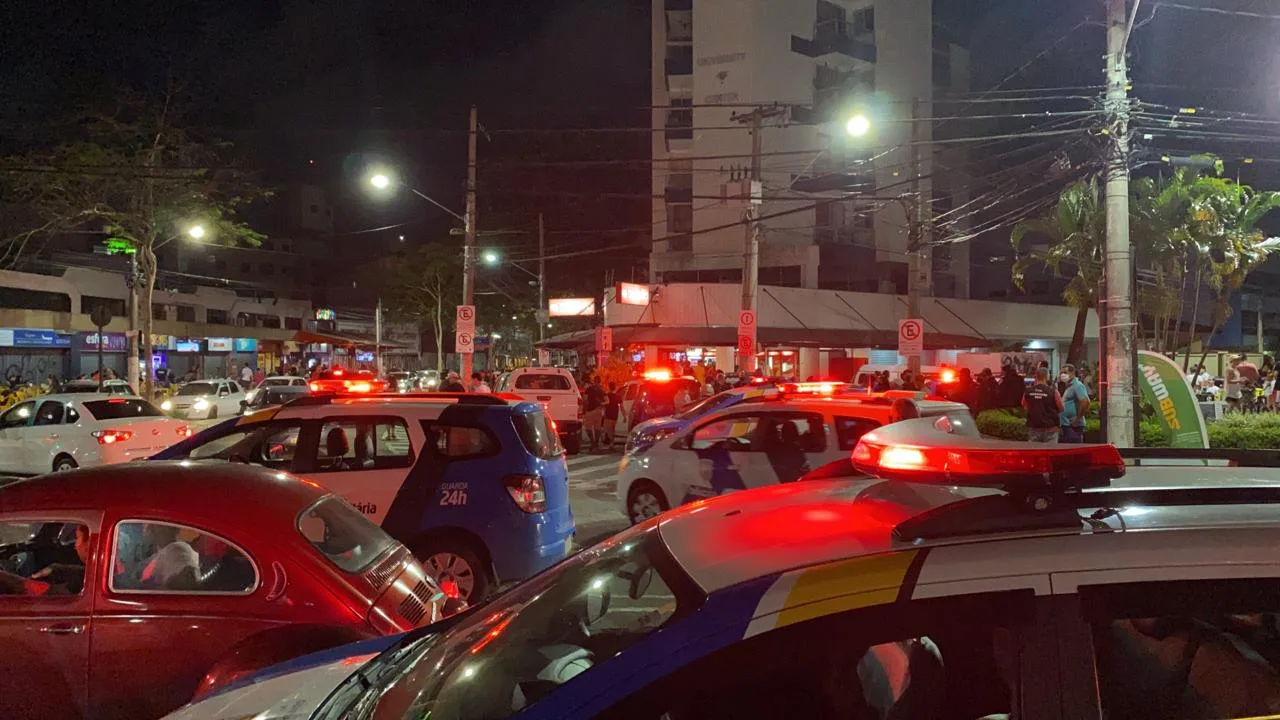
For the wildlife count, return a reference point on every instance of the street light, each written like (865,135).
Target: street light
(380,181)
(196,232)
(490,257)
(858,125)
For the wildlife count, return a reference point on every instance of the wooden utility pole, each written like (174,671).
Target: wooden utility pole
(1117,304)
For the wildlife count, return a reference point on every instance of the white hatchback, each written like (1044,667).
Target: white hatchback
(275,381)
(204,399)
(63,432)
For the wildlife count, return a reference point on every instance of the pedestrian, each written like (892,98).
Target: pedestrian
(1044,409)
(593,412)
(882,382)
(1012,386)
(612,409)
(478,385)
(1075,404)
(1231,384)
(452,383)
(55,386)
(258,376)
(246,375)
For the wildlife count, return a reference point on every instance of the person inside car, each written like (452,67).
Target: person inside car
(174,565)
(52,579)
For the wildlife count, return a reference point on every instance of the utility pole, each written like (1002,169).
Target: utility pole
(1117,317)
(915,212)
(469,243)
(377,337)
(542,280)
(135,338)
(755,197)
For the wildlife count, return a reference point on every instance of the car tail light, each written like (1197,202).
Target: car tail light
(528,492)
(315,387)
(184,432)
(110,437)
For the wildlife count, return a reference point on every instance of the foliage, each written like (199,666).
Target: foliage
(423,287)
(1245,431)
(138,174)
(1011,423)
(617,371)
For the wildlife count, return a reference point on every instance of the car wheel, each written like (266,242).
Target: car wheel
(457,569)
(645,500)
(63,463)
(573,443)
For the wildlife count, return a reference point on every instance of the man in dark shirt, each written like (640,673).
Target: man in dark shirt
(1043,404)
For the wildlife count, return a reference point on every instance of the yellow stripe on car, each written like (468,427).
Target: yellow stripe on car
(832,588)
(260,416)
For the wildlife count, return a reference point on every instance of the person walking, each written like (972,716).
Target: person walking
(246,375)
(1075,403)
(1232,384)
(593,412)
(1044,408)
(612,409)
(452,383)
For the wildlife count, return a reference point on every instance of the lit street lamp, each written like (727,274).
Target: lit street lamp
(196,232)
(490,257)
(380,181)
(858,125)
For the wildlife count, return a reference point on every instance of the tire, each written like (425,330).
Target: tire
(64,463)
(213,412)
(645,500)
(573,443)
(458,569)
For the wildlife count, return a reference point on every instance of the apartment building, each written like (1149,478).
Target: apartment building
(812,64)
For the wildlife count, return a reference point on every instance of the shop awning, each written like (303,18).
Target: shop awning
(687,336)
(308,337)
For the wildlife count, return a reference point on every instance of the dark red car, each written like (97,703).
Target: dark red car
(339,380)
(127,590)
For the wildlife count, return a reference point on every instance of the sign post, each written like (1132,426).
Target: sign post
(747,340)
(101,316)
(911,337)
(465,332)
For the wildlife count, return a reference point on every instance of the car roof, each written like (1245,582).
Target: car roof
(737,537)
(842,403)
(83,397)
(250,494)
(355,404)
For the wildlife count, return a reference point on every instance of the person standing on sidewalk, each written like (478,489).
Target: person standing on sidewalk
(1044,409)
(1075,402)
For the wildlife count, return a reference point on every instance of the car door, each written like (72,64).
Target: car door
(13,436)
(363,458)
(45,626)
(629,392)
(45,435)
(787,446)
(273,444)
(176,600)
(721,451)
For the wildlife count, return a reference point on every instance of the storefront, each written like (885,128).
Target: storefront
(84,353)
(32,355)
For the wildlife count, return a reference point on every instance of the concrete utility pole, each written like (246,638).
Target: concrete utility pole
(916,216)
(542,280)
(1117,305)
(135,338)
(751,252)
(377,337)
(469,243)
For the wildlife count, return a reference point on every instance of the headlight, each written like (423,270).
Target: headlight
(200,404)
(166,406)
(249,395)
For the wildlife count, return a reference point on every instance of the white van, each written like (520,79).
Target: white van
(866,376)
(558,392)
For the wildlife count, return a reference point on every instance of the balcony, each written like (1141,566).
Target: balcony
(679,60)
(834,44)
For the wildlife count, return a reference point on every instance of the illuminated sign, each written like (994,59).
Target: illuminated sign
(326,314)
(219,344)
(632,294)
(572,307)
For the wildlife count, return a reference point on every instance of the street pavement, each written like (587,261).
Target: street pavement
(593,491)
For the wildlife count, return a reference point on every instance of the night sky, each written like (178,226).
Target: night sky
(316,89)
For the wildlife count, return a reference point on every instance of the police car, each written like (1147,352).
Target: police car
(962,578)
(475,485)
(766,437)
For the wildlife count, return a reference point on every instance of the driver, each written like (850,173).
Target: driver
(55,578)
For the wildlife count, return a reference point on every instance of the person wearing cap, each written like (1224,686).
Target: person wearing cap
(1044,408)
(452,383)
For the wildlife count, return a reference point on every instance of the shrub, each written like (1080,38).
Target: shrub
(1241,431)
(1011,424)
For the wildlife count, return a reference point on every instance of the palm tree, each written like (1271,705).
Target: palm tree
(1075,230)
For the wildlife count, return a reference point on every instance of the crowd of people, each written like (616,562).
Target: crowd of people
(1243,387)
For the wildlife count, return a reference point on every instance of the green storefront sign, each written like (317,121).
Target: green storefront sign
(1167,391)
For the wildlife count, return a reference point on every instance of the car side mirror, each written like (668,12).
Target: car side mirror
(244,404)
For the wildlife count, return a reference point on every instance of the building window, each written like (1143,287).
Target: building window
(864,21)
(213,316)
(269,321)
(679,60)
(680,218)
(293,323)
(157,311)
(186,313)
(118,308)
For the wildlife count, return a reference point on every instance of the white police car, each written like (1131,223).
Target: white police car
(763,440)
(964,579)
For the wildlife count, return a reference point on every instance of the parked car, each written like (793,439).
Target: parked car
(426,380)
(557,391)
(276,381)
(63,432)
(164,581)
(661,396)
(270,397)
(476,485)
(205,399)
(106,387)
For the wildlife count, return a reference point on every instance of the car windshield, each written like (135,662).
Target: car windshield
(544,633)
(121,408)
(715,402)
(344,536)
(276,382)
(198,388)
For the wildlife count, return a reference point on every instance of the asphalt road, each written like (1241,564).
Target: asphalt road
(593,489)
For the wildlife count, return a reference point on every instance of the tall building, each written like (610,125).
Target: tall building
(813,64)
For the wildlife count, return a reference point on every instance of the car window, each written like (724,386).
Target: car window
(19,415)
(539,435)
(121,408)
(805,432)
(50,412)
(198,388)
(850,430)
(1186,649)
(735,433)
(890,661)
(356,443)
(542,381)
(72,416)
(272,445)
(43,558)
(233,387)
(298,382)
(342,535)
(457,442)
(158,557)
(630,394)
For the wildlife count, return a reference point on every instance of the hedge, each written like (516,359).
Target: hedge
(1236,431)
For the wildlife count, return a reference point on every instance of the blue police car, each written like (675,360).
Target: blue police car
(476,485)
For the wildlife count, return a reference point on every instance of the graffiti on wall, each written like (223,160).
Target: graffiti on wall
(33,368)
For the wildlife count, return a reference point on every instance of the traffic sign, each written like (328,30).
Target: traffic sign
(466,319)
(746,346)
(911,336)
(746,321)
(464,342)
(605,340)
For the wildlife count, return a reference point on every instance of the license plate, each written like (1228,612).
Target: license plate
(544,398)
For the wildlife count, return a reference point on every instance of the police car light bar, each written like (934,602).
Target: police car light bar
(929,450)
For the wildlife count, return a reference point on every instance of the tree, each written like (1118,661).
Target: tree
(423,288)
(140,175)
(1075,230)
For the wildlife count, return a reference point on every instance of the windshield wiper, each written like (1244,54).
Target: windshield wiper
(356,696)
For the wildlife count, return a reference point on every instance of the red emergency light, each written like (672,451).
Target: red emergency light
(659,375)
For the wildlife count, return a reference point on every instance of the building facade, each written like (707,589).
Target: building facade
(811,65)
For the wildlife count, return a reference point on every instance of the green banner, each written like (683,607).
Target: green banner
(1166,389)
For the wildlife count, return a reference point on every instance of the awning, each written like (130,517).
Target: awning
(308,337)
(683,335)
